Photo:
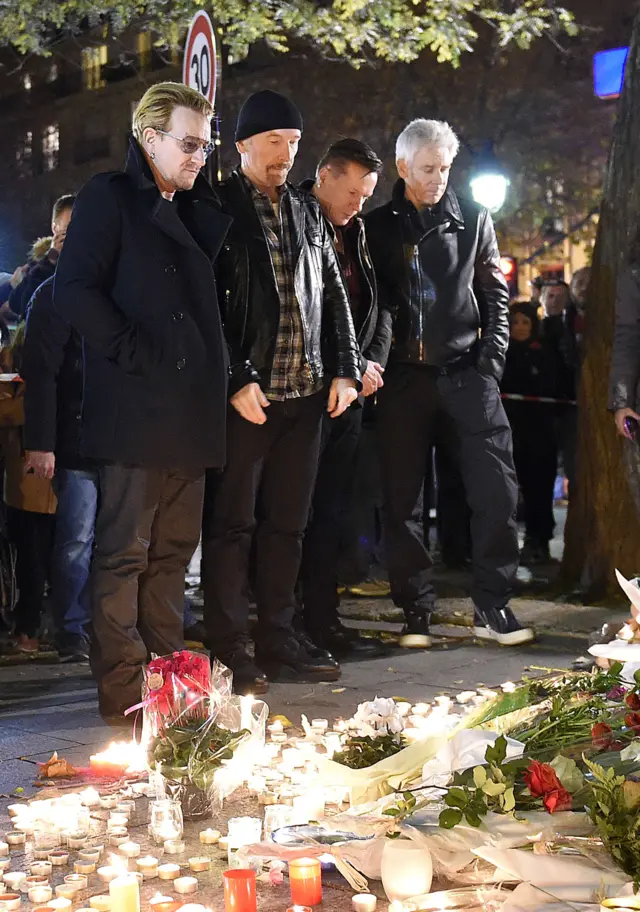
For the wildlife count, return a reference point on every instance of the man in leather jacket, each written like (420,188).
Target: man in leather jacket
(437,265)
(346,178)
(289,329)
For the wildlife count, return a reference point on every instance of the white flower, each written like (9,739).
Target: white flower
(379,717)
(632,752)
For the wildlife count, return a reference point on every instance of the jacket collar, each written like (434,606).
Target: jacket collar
(450,206)
(356,223)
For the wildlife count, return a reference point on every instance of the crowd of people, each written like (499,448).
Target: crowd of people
(233,365)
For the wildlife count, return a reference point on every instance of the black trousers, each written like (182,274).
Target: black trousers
(147,529)
(535,454)
(265,489)
(323,541)
(32,536)
(415,408)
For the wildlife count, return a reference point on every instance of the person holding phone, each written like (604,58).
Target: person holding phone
(625,357)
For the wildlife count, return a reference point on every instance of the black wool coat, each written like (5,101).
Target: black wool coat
(135,279)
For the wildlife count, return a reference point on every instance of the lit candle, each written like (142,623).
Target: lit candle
(209,837)
(117,820)
(243,831)
(60,903)
(127,808)
(299,909)
(320,725)
(186,884)
(66,891)
(40,894)
(77,840)
(124,893)
(41,868)
(59,857)
(130,849)
(168,871)
(148,866)
(309,806)
(239,890)
(246,715)
(108,801)
(36,880)
(305,881)
(199,863)
(10,902)
(90,797)
(92,854)
(174,846)
(118,836)
(101,903)
(107,873)
(159,898)
(79,881)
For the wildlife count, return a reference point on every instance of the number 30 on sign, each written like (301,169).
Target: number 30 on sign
(199,68)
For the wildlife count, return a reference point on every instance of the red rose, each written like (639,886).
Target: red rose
(541,778)
(632,720)
(601,735)
(633,701)
(557,800)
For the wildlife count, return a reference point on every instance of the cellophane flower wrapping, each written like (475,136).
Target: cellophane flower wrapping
(192,727)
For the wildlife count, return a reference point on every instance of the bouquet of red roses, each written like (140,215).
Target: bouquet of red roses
(177,688)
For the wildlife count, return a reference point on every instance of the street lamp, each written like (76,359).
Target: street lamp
(488,181)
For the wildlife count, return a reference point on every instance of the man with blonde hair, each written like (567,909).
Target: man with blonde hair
(438,271)
(136,280)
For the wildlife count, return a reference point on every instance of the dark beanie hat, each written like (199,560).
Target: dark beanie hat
(264,111)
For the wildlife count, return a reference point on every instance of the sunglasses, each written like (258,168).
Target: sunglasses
(190,145)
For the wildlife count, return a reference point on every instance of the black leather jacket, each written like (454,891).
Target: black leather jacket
(625,357)
(249,298)
(442,282)
(373,328)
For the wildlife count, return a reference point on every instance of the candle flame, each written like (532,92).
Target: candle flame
(130,756)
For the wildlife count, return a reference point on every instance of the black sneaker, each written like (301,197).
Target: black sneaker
(247,677)
(501,626)
(291,662)
(73,648)
(415,633)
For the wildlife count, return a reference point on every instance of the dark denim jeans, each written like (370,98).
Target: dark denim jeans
(77,491)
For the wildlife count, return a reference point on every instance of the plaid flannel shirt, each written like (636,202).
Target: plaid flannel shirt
(291,375)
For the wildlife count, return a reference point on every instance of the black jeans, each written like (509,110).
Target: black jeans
(415,408)
(265,489)
(32,536)
(147,529)
(323,541)
(535,454)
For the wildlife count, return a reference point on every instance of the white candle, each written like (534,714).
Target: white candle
(168,871)
(117,839)
(16,839)
(159,898)
(59,857)
(41,868)
(4,848)
(92,854)
(130,849)
(90,797)
(246,716)
(174,846)
(124,893)
(148,866)
(200,863)
(186,884)
(108,801)
(40,894)
(77,840)
(276,726)
(101,903)
(209,837)
(107,873)
(15,880)
(364,902)
(79,881)
(66,891)
(60,903)
(35,880)
(11,901)
(320,725)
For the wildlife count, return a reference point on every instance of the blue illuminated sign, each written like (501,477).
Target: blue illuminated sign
(608,72)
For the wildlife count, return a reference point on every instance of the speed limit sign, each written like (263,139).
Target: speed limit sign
(200,65)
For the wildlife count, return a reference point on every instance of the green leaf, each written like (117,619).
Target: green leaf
(455,801)
(450,818)
(392,812)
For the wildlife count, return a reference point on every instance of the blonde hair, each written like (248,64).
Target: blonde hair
(40,248)
(157,104)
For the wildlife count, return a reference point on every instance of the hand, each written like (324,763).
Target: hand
(372,378)
(250,402)
(619,417)
(341,394)
(18,275)
(40,464)
(58,240)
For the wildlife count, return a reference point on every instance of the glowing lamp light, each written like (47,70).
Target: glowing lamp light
(490,189)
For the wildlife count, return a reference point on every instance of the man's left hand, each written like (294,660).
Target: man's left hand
(341,394)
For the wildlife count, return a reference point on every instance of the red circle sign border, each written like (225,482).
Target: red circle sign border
(201,25)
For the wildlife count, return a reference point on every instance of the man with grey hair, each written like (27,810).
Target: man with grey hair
(438,271)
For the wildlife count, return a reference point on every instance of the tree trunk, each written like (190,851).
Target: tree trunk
(603,525)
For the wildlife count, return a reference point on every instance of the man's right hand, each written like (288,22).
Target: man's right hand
(250,402)
(39,463)
(620,416)
(372,378)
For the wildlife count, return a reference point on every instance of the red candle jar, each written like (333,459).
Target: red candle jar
(239,890)
(305,880)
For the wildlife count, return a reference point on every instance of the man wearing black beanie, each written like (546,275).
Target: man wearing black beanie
(293,355)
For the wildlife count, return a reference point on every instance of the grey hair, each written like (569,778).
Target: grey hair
(420,133)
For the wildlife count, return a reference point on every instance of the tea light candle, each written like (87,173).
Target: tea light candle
(16,839)
(84,867)
(10,902)
(186,884)
(168,871)
(41,868)
(101,902)
(148,866)
(40,894)
(174,846)
(126,807)
(59,857)
(130,849)
(108,801)
(90,797)
(117,839)
(60,903)
(77,840)
(5,864)
(364,902)
(320,725)
(159,898)
(200,863)
(4,848)
(107,873)
(124,893)
(79,881)
(36,880)
(66,891)
(305,881)
(299,909)
(209,837)
(92,854)
(278,737)
(117,820)
(15,880)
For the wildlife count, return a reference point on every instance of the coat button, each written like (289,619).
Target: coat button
(170,269)
(181,364)
(177,316)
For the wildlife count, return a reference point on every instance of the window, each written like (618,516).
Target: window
(24,155)
(93,59)
(50,147)
(144,50)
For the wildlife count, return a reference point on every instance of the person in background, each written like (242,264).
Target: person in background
(346,178)
(624,374)
(45,267)
(554,299)
(533,369)
(31,507)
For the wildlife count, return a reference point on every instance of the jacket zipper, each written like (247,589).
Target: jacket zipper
(416,254)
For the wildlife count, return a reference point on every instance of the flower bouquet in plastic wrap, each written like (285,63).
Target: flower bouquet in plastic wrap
(190,727)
